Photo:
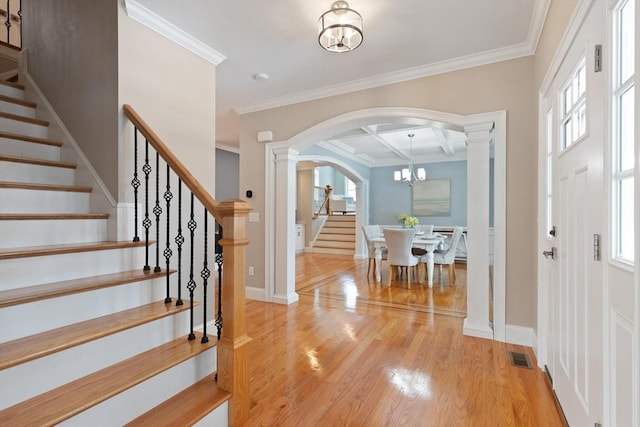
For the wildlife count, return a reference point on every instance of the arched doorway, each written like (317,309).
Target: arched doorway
(481,130)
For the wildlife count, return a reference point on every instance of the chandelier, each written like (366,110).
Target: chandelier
(340,29)
(409,175)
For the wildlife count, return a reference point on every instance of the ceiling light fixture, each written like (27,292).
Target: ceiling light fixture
(409,175)
(340,29)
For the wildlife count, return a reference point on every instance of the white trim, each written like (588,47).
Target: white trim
(478,59)
(255,293)
(347,121)
(521,335)
(228,148)
(151,20)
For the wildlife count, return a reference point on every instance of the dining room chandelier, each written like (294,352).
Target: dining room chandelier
(340,29)
(410,175)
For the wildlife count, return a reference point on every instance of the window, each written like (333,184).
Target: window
(623,128)
(574,106)
(351,188)
(549,171)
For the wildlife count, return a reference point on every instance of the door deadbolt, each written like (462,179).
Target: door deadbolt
(552,253)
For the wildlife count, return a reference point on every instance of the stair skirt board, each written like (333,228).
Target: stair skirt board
(127,405)
(19,148)
(35,174)
(37,270)
(33,378)
(37,201)
(62,231)
(23,128)
(22,320)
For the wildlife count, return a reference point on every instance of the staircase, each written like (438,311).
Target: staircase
(337,236)
(85,335)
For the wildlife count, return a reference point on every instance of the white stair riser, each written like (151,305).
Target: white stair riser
(335,251)
(32,378)
(131,403)
(38,201)
(23,128)
(338,230)
(30,271)
(21,233)
(19,148)
(17,109)
(32,318)
(35,174)
(217,418)
(11,91)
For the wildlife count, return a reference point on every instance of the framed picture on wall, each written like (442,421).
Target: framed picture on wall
(432,198)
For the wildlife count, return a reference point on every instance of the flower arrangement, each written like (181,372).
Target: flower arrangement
(408,221)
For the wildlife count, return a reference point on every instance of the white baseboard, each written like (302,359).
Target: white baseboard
(253,293)
(521,335)
(478,331)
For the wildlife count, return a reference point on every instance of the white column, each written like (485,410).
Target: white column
(285,248)
(478,142)
(361,218)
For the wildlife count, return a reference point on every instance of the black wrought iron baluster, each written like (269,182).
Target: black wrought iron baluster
(179,242)
(167,251)
(218,247)
(191,285)
(205,277)
(146,223)
(157,210)
(20,20)
(7,23)
(135,183)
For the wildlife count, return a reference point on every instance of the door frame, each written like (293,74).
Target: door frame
(280,159)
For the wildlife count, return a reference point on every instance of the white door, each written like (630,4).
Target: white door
(577,97)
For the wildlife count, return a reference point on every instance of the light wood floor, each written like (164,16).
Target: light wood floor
(354,353)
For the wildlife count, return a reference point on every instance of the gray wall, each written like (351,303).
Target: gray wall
(227,176)
(73,57)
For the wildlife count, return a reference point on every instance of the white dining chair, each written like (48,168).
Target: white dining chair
(427,230)
(398,241)
(447,257)
(371,232)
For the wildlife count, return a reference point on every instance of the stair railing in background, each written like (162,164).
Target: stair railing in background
(11,12)
(230,216)
(324,194)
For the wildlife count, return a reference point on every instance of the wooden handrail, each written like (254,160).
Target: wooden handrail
(176,165)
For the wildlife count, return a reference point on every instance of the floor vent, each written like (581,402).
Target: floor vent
(520,360)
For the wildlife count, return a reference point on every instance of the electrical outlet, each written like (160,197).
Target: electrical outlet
(250,270)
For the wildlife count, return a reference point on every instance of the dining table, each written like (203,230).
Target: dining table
(428,242)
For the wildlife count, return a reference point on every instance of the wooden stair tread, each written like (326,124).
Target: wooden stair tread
(27,294)
(39,345)
(32,251)
(11,84)
(28,138)
(22,102)
(64,402)
(50,216)
(45,187)
(40,162)
(186,407)
(24,119)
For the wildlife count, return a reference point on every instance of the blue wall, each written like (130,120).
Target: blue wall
(390,198)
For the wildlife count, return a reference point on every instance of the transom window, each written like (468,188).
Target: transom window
(623,128)
(574,106)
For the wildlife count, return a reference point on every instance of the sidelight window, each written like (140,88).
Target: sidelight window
(623,129)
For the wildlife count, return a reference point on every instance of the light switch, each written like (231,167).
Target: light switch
(254,217)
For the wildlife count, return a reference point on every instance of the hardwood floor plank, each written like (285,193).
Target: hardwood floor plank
(354,353)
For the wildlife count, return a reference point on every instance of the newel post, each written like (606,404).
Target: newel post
(233,347)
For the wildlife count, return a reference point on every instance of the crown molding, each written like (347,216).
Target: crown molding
(146,17)
(488,57)
(229,148)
